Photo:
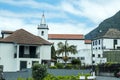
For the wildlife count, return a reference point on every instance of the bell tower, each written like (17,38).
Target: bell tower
(43,28)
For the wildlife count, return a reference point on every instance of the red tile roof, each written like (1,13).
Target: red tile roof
(88,41)
(21,36)
(66,36)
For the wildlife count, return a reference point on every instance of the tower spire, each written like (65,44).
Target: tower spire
(43,28)
(43,21)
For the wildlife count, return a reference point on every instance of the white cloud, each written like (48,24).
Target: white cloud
(13,24)
(9,23)
(68,28)
(27,15)
(96,11)
(11,14)
(99,11)
(29,4)
(69,7)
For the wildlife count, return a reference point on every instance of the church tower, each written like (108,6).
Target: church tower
(43,28)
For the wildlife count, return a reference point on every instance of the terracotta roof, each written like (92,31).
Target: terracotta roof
(112,33)
(66,36)
(88,41)
(21,36)
(7,32)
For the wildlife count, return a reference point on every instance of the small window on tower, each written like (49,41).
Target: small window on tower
(42,33)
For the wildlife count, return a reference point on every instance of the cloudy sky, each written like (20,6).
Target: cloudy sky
(62,16)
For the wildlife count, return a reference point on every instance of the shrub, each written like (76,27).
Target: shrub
(53,67)
(59,65)
(76,62)
(29,79)
(52,77)
(39,71)
(68,66)
(109,67)
(21,78)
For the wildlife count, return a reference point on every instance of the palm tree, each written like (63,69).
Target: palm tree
(66,49)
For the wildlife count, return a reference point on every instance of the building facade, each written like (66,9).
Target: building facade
(20,49)
(110,41)
(83,47)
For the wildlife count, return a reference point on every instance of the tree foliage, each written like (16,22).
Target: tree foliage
(59,65)
(39,71)
(65,50)
(109,67)
(76,62)
(53,52)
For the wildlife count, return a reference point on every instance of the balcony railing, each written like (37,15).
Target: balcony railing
(26,56)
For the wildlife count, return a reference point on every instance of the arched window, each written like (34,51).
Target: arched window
(42,33)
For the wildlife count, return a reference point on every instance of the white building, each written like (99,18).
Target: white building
(108,42)
(21,49)
(83,46)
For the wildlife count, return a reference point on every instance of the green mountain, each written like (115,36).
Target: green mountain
(112,22)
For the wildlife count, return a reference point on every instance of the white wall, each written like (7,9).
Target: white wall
(79,43)
(105,44)
(83,53)
(108,43)
(118,42)
(10,63)
(45,36)
(45,52)
(28,60)
(7,57)
(96,58)
(86,53)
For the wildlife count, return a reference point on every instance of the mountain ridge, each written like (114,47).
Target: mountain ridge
(104,26)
